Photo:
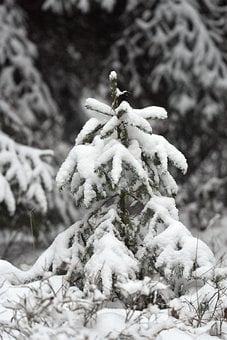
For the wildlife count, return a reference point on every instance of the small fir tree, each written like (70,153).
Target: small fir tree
(118,170)
(130,243)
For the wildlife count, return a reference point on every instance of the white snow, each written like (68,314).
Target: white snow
(111,257)
(113,75)
(109,321)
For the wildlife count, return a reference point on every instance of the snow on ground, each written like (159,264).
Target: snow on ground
(109,323)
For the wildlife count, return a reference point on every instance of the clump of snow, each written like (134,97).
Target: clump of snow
(111,257)
(91,125)
(142,287)
(109,321)
(113,75)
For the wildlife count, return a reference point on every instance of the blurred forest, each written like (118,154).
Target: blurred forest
(55,53)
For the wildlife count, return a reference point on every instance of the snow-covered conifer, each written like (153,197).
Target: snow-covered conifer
(26,101)
(130,238)
(27,111)
(119,171)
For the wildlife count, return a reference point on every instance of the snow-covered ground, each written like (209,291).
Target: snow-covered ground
(109,323)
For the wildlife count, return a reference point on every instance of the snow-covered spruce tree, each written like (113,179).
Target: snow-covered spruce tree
(130,237)
(130,243)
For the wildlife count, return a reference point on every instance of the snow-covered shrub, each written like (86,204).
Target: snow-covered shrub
(50,305)
(52,309)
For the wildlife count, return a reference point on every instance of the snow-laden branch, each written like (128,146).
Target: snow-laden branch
(24,174)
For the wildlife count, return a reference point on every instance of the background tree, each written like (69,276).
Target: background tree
(25,177)
(31,109)
(30,116)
